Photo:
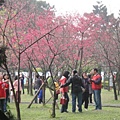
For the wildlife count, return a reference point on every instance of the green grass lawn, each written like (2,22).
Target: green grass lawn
(40,112)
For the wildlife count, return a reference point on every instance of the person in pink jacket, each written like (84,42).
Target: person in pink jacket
(15,84)
(64,91)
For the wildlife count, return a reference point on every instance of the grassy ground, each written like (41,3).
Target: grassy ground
(40,112)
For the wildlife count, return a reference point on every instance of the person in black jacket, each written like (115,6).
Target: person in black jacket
(85,97)
(76,90)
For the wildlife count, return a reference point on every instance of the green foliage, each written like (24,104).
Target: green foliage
(38,69)
(50,82)
(101,10)
(42,5)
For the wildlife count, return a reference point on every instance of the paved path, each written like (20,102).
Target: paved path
(109,105)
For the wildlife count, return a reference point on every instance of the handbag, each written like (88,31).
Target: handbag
(63,100)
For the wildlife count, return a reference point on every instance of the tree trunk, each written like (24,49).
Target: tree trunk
(54,103)
(80,66)
(18,102)
(30,79)
(118,81)
(35,96)
(43,91)
(114,87)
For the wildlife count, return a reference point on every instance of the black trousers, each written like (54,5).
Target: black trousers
(90,98)
(2,102)
(85,99)
(65,106)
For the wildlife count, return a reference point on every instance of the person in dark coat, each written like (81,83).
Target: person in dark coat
(85,97)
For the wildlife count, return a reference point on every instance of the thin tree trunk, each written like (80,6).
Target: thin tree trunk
(35,96)
(30,79)
(18,106)
(54,103)
(80,66)
(114,87)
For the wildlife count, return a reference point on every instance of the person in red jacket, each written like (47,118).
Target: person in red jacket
(96,86)
(64,91)
(3,87)
(6,80)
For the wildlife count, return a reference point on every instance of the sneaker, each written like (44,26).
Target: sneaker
(86,109)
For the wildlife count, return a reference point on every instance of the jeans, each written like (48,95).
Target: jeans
(23,88)
(40,96)
(5,105)
(79,98)
(97,99)
(65,106)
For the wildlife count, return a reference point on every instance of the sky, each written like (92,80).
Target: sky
(82,6)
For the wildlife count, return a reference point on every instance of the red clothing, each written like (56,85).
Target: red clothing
(63,81)
(96,86)
(3,87)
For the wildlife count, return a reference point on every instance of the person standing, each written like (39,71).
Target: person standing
(96,86)
(37,84)
(110,81)
(76,90)
(40,94)
(85,95)
(17,92)
(64,91)
(6,80)
(3,87)
(90,90)
(22,82)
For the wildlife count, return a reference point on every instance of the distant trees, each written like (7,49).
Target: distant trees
(108,45)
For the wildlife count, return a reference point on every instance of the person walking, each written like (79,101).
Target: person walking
(85,95)
(76,90)
(96,86)
(64,91)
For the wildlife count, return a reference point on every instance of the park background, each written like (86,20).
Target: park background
(34,38)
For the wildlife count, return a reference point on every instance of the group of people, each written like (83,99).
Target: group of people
(80,89)
(6,91)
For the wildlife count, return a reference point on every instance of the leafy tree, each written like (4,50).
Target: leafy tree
(107,37)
